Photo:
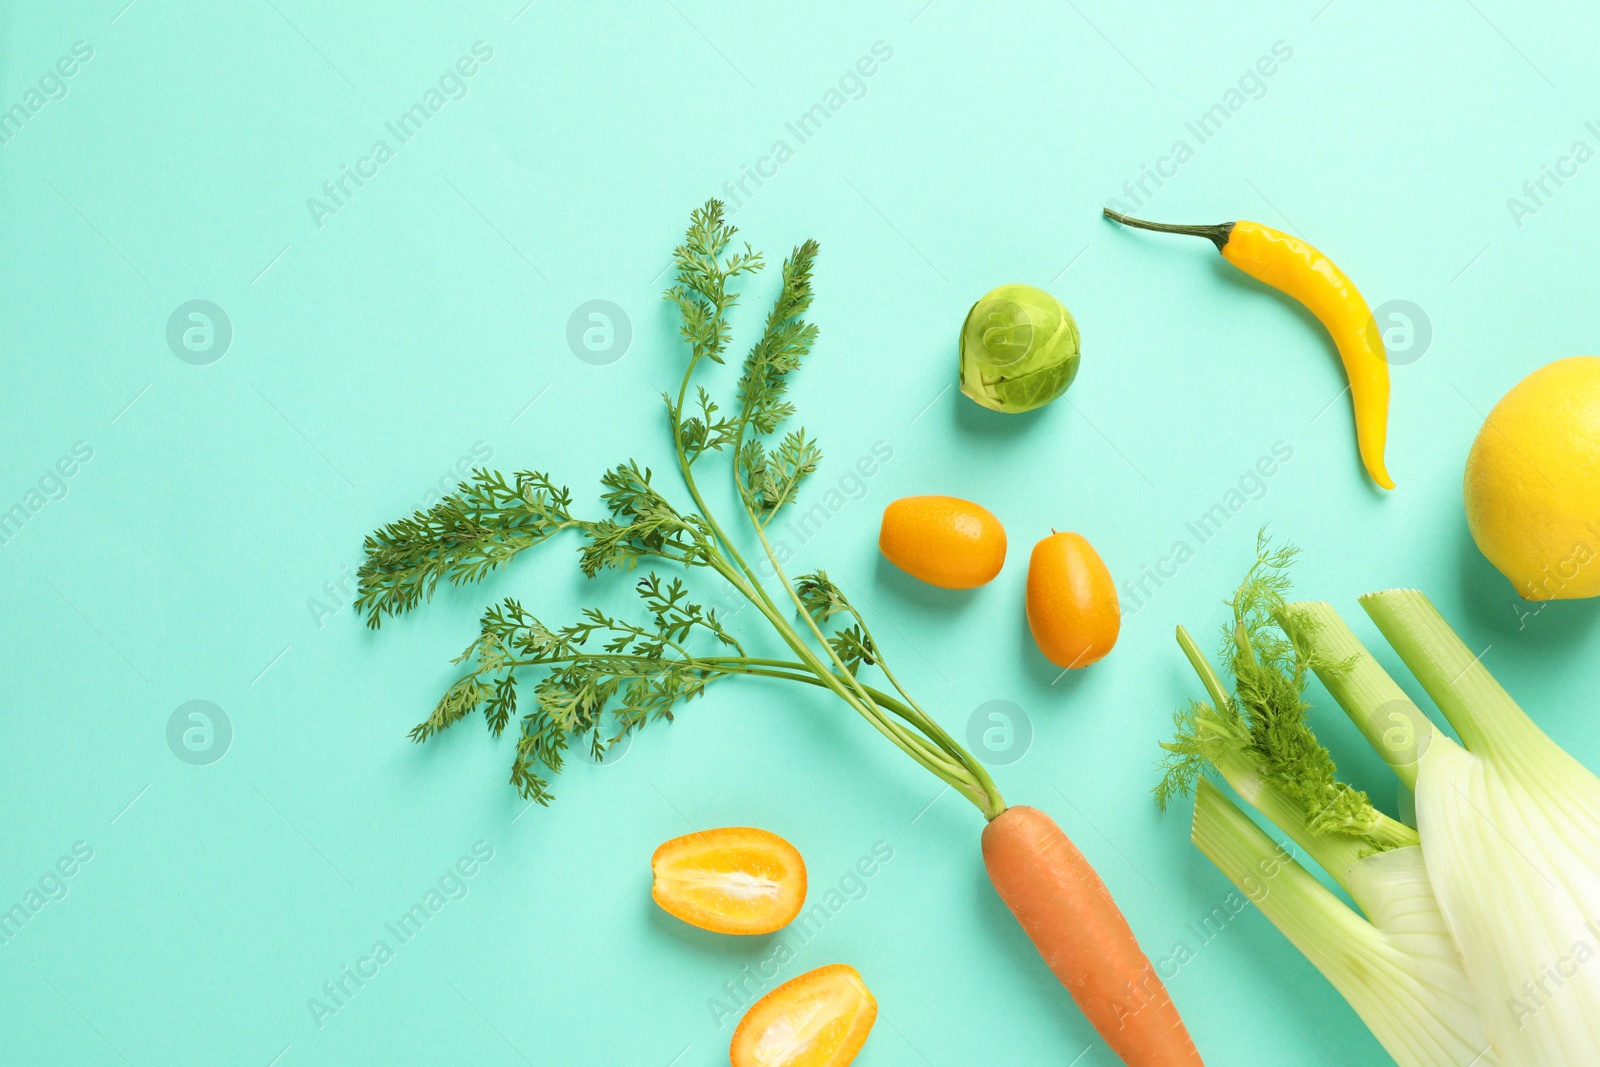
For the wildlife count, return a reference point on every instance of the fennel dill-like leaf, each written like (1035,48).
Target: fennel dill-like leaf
(1260,734)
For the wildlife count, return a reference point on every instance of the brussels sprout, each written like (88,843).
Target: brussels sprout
(1019,349)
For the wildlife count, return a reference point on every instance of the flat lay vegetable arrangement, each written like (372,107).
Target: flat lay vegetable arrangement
(1474,925)
(641,670)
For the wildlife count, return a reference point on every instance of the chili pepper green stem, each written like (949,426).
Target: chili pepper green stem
(1217,234)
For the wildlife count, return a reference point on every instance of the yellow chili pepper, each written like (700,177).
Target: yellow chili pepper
(1292,266)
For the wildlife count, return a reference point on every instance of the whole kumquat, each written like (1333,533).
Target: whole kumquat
(1071,601)
(943,540)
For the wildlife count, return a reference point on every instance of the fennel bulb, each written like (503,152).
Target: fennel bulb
(1479,938)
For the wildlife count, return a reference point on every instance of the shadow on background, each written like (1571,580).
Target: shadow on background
(950,604)
(1041,672)
(1235,278)
(1493,603)
(1232,276)
(735,951)
(971,417)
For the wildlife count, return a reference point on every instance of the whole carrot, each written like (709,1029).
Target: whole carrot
(1068,914)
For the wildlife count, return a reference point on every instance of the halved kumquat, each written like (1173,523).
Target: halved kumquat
(820,1019)
(734,880)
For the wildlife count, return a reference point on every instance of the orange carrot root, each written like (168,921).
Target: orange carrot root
(1069,915)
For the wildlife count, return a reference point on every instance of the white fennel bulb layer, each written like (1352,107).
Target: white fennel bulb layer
(1510,829)
(1516,871)
(1398,971)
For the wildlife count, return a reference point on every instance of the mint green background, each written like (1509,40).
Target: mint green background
(423,317)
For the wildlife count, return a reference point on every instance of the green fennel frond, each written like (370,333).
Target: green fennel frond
(1263,726)
(1204,735)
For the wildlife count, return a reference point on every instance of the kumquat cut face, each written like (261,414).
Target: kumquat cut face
(734,880)
(820,1019)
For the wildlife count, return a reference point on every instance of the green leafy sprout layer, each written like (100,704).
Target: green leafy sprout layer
(640,669)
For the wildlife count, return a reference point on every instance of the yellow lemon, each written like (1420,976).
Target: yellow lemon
(1533,482)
